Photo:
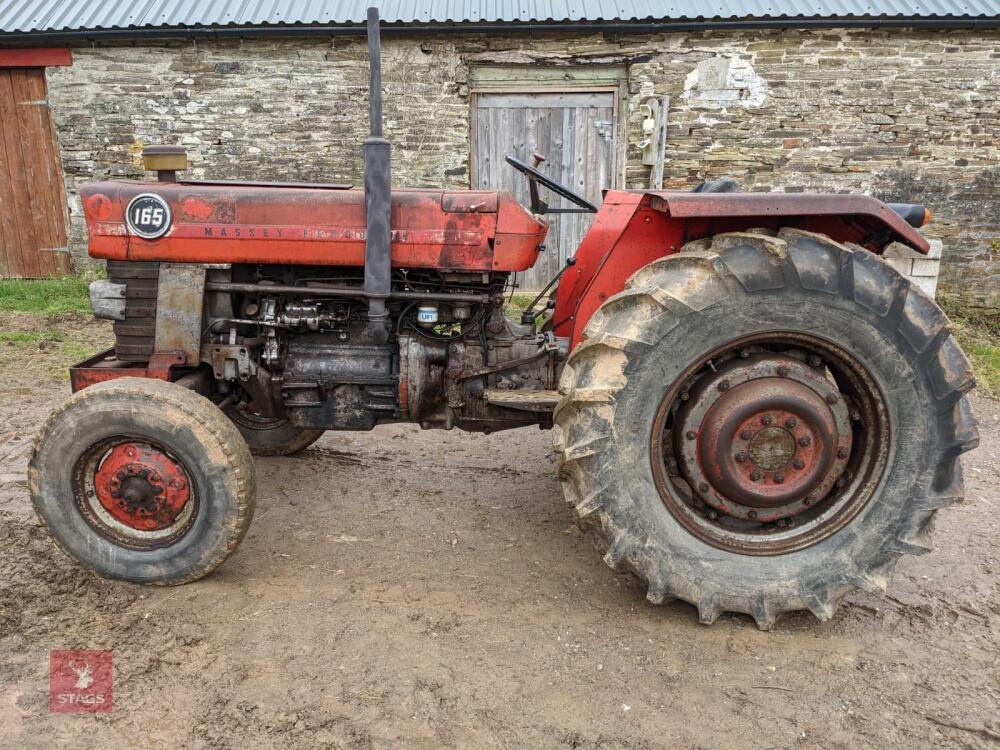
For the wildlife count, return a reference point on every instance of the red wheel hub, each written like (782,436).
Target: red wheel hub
(763,438)
(141,486)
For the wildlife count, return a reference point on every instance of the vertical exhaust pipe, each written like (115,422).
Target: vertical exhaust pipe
(378,243)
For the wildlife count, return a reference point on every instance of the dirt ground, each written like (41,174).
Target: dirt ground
(417,589)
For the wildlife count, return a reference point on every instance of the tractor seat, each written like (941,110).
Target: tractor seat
(724,185)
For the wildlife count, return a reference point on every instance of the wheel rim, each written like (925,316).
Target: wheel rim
(770,444)
(135,493)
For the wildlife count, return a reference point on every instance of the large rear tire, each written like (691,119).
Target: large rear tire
(760,424)
(143,480)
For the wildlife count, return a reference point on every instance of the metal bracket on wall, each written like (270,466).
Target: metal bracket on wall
(654,144)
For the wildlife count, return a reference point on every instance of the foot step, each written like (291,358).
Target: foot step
(526,399)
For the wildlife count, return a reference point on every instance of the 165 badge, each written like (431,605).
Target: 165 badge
(148,216)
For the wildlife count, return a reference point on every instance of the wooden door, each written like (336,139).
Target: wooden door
(33,210)
(574,131)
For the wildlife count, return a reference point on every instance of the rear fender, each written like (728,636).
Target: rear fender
(632,229)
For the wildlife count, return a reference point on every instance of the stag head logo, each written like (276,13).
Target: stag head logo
(84,675)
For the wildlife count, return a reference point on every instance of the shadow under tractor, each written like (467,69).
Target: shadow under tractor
(752,411)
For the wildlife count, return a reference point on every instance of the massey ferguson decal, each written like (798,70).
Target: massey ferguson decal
(326,234)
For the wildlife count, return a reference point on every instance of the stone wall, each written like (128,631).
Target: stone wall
(903,115)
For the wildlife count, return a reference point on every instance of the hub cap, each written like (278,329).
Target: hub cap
(141,486)
(768,432)
(770,445)
(134,493)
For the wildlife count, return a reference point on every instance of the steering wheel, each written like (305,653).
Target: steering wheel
(535,176)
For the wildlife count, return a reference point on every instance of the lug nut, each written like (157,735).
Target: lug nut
(752,515)
(831,399)
(766,420)
(841,482)
(798,463)
(724,386)
(815,361)
(779,478)
(685,396)
(713,515)
(754,476)
(702,487)
(745,353)
(690,435)
(746,435)
(842,453)
(791,422)
(804,441)
(740,457)
(783,371)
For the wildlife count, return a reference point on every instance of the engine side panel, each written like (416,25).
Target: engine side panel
(245,223)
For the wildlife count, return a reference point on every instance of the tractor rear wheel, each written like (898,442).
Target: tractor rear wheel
(764,422)
(268,436)
(143,480)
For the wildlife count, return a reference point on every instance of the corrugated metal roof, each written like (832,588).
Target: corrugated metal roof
(88,15)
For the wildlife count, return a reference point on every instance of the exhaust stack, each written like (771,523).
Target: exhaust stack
(378,259)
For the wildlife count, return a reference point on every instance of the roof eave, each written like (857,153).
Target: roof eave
(70,36)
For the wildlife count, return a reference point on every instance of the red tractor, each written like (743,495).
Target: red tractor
(752,411)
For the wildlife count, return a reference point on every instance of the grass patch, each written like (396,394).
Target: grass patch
(46,296)
(12,338)
(518,302)
(978,331)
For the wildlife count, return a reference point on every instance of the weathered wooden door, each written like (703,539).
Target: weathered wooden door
(575,132)
(33,209)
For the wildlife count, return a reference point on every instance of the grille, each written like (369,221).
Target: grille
(134,335)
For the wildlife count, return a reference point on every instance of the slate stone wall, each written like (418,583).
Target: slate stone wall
(905,115)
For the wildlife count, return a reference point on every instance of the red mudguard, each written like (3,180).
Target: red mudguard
(633,229)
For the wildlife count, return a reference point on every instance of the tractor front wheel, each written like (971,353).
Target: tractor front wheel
(762,423)
(143,480)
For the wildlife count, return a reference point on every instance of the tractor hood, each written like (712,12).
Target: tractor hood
(229,222)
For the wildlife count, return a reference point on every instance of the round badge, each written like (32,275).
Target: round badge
(148,216)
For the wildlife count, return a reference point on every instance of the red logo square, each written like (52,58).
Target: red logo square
(79,681)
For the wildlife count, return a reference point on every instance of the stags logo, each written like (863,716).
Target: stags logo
(80,681)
